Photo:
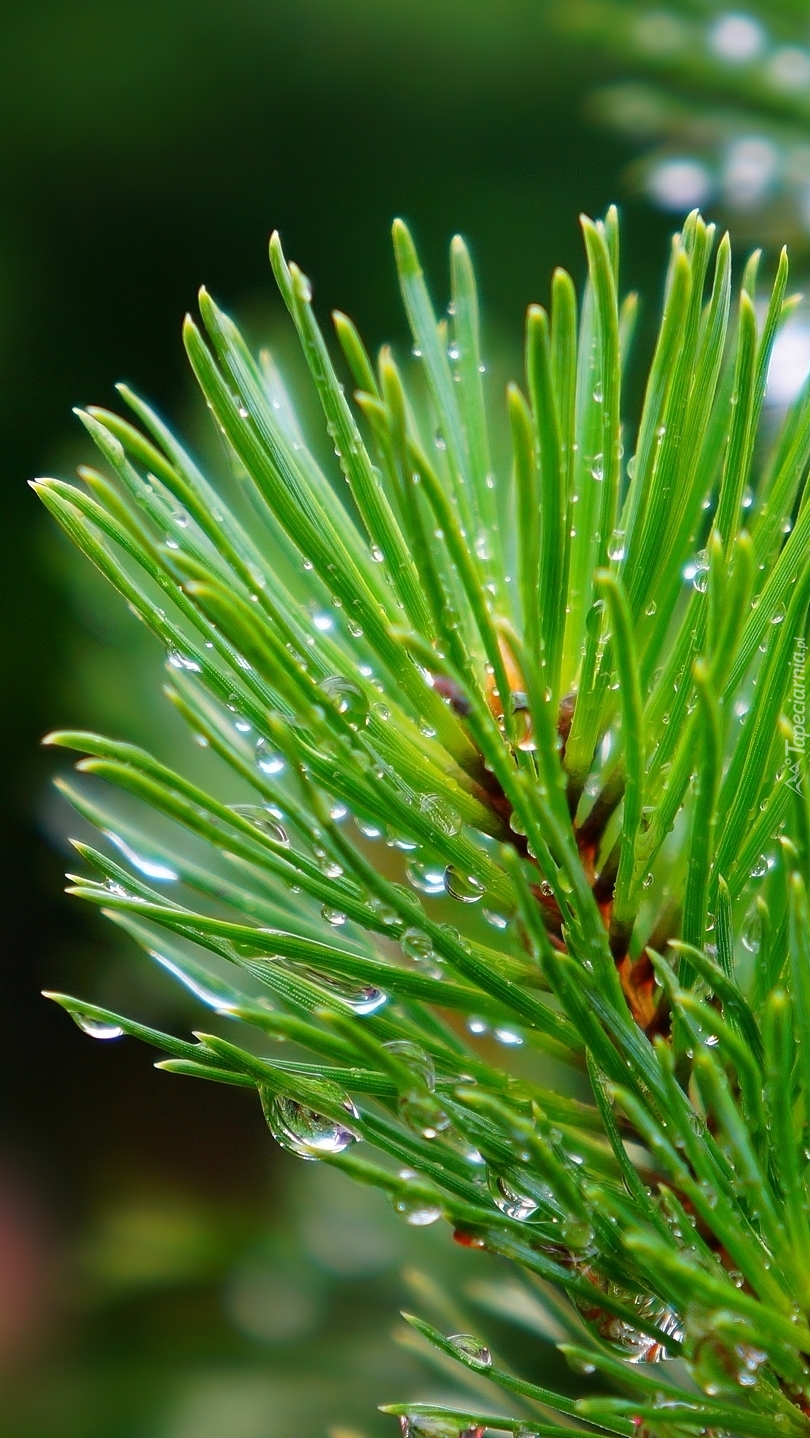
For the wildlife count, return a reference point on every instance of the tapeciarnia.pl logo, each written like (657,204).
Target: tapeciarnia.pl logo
(794,752)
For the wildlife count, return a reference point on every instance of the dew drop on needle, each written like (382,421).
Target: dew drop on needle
(305,1132)
(472,1349)
(96,1028)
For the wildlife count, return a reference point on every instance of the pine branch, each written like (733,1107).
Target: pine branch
(561,698)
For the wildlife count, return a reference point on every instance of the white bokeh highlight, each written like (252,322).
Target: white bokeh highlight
(790,362)
(737,38)
(680,184)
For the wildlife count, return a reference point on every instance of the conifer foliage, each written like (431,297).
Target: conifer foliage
(558,700)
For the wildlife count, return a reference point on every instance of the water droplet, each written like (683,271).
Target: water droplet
(597,393)
(508,1037)
(509,1199)
(417,945)
(581,1365)
(267,759)
(377,554)
(441,815)
(96,1028)
(698,571)
(427,878)
(332,916)
(464,887)
(482,546)
(368,1001)
(328,865)
(760,867)
(363,1000)
(385,914)
(524,732)
(261,816)
(182,661)
(616,545)
(324,622)
(651,609)
(303,1131)
(415,1211)
(498,921)
(424,1427)
(576,1233)
(593,618)
(348,698)
(475,1352)
(636,1345)
(415,1060)
(778,615)
(477,1026)
(423,1114)
(355,629)
(752,1361)
(598,468)
(647,881)
(752,930)
(118,889)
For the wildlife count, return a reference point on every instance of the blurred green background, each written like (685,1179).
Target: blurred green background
(164,1271)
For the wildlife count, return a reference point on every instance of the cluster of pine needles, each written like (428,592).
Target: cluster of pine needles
(558,700)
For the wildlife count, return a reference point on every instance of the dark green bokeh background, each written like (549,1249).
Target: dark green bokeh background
(145,148)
